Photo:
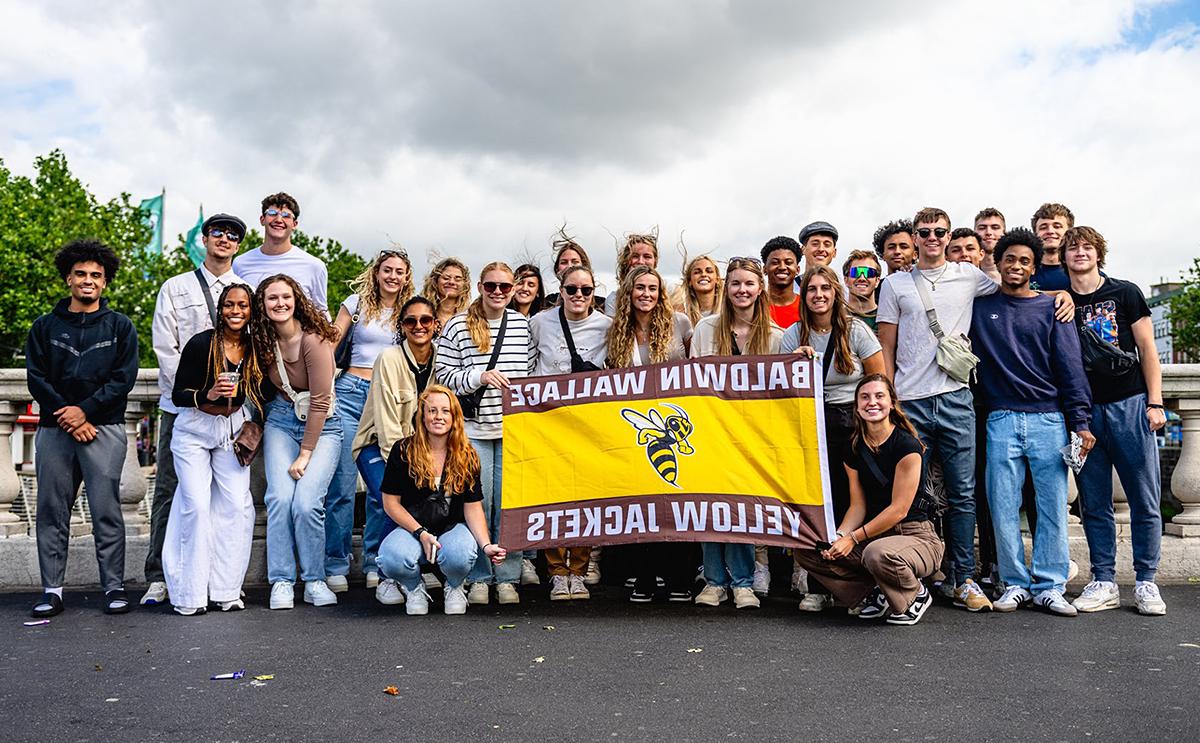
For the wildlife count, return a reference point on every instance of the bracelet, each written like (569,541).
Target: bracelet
(840,535)
(1155,406)
(418,532)
(854,538)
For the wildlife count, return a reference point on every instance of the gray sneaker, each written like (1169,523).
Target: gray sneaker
(455,600)
(1098,596)
(1052,600)
(416,601)
(156,593)
(1149,601)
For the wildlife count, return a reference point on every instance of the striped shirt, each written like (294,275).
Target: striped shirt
(460,364)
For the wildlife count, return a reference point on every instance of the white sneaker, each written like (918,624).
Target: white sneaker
(431,581)
(1149,601)
(712,596)
(592,578)
(560,588)
(388,593)
(190,611)
(1053,601)
(1072,570)
(235,605)
(1098,596)
(283,594)
(417,601)
(1013,598)
(529,576)
(578,587)
(156,593)
(372,579)
(744,598)
(337,583)
(478,594)
(455,600)
(506,593)
(762,579)
(318,594)
(799,579)
(815,602)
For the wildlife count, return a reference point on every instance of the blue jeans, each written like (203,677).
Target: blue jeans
(491,460)
(1124,441)
(946,425)
(401,557)
(1014,439)
(371,465)
(728,564)
(339,502)
(296,508)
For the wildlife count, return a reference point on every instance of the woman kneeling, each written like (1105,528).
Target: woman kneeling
(886,543)
(432,490)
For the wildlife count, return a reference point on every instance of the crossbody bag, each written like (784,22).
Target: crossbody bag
(471,401)
(577,362)
(954,354)
(300,400)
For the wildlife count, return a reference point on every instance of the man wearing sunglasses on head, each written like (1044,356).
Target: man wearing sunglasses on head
(280,216)
(185,306)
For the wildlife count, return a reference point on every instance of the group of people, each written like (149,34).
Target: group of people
(1012,342)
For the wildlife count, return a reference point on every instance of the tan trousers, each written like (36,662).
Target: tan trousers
(896,561)
(567,560)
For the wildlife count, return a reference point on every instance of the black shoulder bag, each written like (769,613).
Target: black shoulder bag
(212,310)
(470,402)
(577,362)
(1103,358)
(341,356)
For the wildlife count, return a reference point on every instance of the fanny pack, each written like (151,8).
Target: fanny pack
(954,354)
(300,400)
(1103,358)
(471,401)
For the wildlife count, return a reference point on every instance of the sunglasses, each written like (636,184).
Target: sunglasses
(392,252)
(939,231)
(862,272)
(229,235)
(491,287)
(273,212)
(410,322)
(747,258)
(572,289)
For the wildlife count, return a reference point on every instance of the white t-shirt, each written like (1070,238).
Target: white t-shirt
(917,373)
(704,341)
(681,335)
(308,271)
(839,388)
(590,336)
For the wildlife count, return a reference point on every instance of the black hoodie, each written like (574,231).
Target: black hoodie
(89,359)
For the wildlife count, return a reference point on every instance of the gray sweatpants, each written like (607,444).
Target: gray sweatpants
(62,463)
(165,482)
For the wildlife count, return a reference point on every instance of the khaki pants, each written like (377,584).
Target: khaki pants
(896,561)
(567,560)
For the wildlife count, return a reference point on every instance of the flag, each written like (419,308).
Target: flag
(715,449)
(152,217)
(195,243)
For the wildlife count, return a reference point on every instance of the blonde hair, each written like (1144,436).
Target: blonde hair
(477,323)
(370,297)
(461,467)
(622,335)
(760,319)
(685,298)
(434,292)
(650,238)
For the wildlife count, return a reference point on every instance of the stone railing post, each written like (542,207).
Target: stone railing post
(1181,393)
(10,485)
(133,480)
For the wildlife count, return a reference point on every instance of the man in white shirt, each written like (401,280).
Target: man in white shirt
(280,216)
(185,307)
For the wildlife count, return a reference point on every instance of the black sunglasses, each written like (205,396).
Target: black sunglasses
(747,258)
(410,322)
(229,235)
(492,287)
(939,231)
(571,289)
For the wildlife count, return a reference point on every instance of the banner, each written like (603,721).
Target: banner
(715,449)
(152,217)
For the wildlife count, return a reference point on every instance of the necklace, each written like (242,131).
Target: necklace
(934,282)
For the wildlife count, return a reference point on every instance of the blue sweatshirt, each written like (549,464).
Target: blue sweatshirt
(1029,362)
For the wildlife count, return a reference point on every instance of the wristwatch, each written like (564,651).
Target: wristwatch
(840,535)
(418,532)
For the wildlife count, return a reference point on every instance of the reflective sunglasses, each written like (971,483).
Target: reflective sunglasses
(410,322)
(273,212)
(572,289)
(229,235)
(862,272)
(939,231)
(491,287)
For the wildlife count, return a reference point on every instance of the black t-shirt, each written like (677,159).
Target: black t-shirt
(397,481)
(1111,311)
(878,495)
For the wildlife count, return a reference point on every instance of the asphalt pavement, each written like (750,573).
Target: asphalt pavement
(602,669)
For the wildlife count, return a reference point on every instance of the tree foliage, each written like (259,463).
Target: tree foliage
(41,214)
(1185,313)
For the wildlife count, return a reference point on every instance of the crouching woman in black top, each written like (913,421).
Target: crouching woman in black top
(431,489)
(886,543)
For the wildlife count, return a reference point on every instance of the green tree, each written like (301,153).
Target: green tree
(1185,313)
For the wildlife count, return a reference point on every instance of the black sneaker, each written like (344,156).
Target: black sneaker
(680,597)
(51,605)
(874,606)
(116,602)
(915,611)
(641,595)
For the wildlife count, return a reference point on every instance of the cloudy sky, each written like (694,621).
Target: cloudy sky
(476,128)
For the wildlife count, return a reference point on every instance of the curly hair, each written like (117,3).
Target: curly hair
(760,320)
(886,232)
(1019,236)
(650,238)
(284,200)
(434,292)
(622,333)
(461,468)
(685,298)
(782,242)
(1090,236)
(839,319)
(86,251)
(525,271)
(477,323)
(370,296)
(252,375)
(311,319)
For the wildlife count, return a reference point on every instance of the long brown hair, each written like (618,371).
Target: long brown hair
(477,323)
(251,371)
(433,292)
(621,334)
(311,319)
(370,297)
(760,320)
(685,298)
(839,319)
(461,468)
(896,416)
(561,243)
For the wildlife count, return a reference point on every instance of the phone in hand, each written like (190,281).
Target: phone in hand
(822,546)
(433,551)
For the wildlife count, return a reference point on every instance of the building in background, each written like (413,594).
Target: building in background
(1164,328)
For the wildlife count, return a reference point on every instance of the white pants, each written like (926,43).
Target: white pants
(206,550)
